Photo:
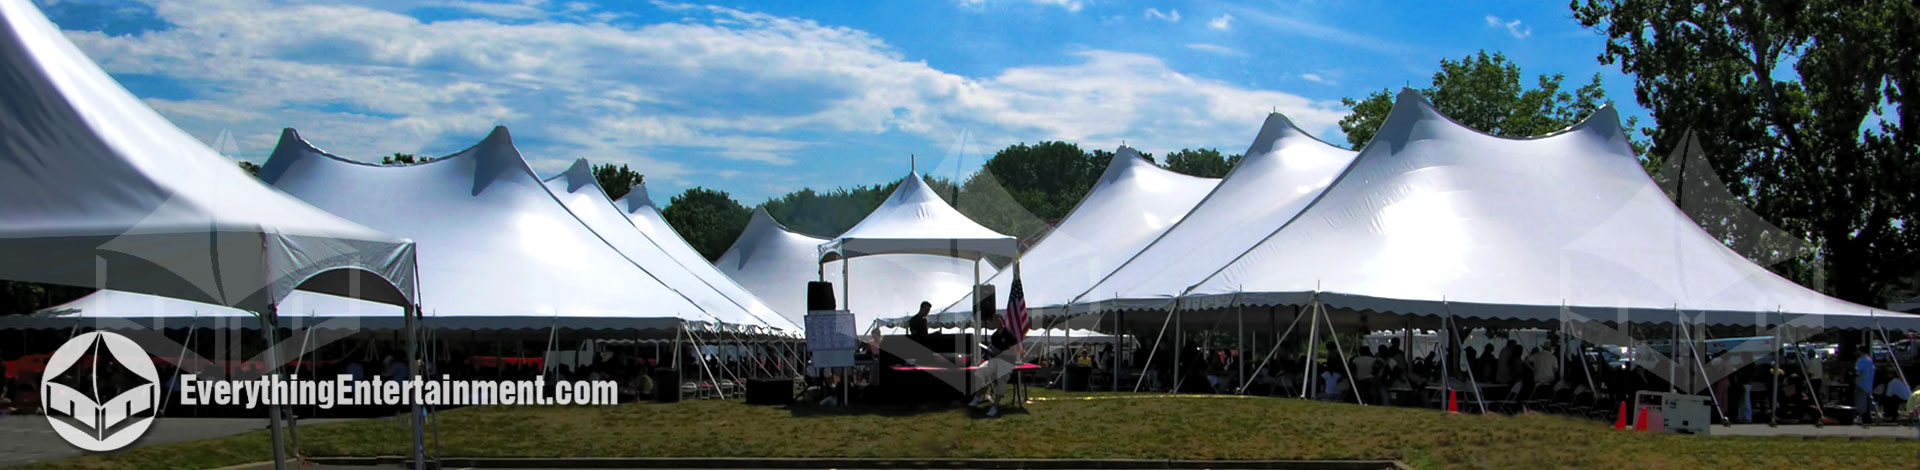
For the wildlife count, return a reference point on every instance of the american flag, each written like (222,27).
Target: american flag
(1015,321)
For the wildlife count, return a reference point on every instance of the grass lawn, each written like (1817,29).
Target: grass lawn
(1064,426)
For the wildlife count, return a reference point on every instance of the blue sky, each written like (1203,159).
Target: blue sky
(761,98)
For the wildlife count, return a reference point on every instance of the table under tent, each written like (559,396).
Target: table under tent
(103,192)
(1435,227)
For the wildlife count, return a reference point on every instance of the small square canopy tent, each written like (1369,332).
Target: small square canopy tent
(914,221)
(775,264)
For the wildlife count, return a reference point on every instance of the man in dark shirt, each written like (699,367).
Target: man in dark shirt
(917,326)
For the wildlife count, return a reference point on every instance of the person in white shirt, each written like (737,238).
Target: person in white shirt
(1545,366)
(1363,375)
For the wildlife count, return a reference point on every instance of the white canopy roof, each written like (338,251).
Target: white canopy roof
(915,220)
(643,215)
(1132,203)
(776,264)
(108,308)
(102,191)
(498,251)
(1282,172)
(1434,218)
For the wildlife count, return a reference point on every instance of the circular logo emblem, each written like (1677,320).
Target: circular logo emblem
(105,403)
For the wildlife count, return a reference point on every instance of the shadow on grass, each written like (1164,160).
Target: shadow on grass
(808,410)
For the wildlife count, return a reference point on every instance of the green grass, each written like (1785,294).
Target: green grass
(1067,426)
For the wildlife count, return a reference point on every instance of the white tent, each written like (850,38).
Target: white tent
(1282,172)
(776,264)
(914,220)
(643,215)
(1434,219)
(111,308)
(498,251)
(1130,205)
(102,191)
(581,194)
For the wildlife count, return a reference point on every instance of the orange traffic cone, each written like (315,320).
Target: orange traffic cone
(1620,421)
(1641,423)
(1453,402)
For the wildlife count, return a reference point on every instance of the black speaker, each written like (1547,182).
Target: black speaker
(819,295)
(769,391)
(984,303)
(666,385)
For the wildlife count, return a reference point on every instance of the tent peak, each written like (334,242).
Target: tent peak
(577,175)
(636,199)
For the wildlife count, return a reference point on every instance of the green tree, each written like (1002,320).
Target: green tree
(1206,163)
(710,220)
(403,159)
(250,167)
(1801,107)
(1484,92)
(827,214)
(1046,179)
(18,298)
(617,181)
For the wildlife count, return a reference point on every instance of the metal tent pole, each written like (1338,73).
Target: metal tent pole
(1313,340)
(1148,366)
(1339,350)
(1274,350)
(1773,405)
(1240,343)
(273,409)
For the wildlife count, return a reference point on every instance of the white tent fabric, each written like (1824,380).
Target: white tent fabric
(775,264)
(102,191)
(580,192)
(915,220)
(1130,205)
(498,251)
(643,215)
(1436,219)
(1282,172)
(108,308)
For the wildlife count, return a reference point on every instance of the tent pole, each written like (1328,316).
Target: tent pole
(1274,350)
(1147,368)
(1773,405)
(1808,379)
(1341,351)
(1240,343)
(1179,347)
(273,410)
(1693,348)
(1313,340)
(1446,352)
(1885,338)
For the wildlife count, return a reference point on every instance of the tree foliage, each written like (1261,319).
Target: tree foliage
(1206,163)
(27,297)
(617,181)
(250,167)
(708,219)
(1800,107)
(1484,92)
(403,159)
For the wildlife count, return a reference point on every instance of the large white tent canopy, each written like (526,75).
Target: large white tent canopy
(498,250)
(1282,172)
(1130,205)
(914,220)
(1434,219)
(775,264)
(580,192)
(102,191)
(642,214)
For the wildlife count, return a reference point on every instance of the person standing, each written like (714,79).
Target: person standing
(1863,385)
(917,326)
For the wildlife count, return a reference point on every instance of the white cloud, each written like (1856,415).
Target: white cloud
(1214,49)
(755,89)
(1223,22)
(1171,16)
(1295,24)
(1514,28)
(1069,5)
(1316,78)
